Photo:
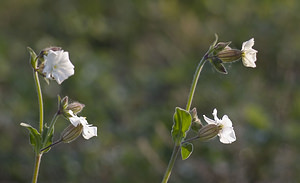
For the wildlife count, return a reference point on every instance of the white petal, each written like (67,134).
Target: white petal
(89,131)
(215,115)
(209,121)
(75,120)
(58,66)
(226,122)
(227,135)
(248,44)
(249,61)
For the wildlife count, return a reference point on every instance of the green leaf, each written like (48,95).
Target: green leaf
(47,137)
(181,124)
(35,137)
(33,58)
(186,150)
(217,63)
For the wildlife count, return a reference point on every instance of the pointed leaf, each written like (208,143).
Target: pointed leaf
(217,63)
(35,137)
(186,150)
(181,124)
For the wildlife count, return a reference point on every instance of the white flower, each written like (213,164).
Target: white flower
(248,53)
(226,132)
(88,130)
(58,66)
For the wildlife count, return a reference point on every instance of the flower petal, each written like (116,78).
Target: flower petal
(58,66)
(89,131)
(226,122)
(227,135)
(215,115)
(209,121)
(248,44)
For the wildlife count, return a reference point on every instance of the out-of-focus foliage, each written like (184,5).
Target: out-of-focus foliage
(134,63)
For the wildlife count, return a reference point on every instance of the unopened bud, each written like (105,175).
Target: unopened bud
(196,122)
(71,133)
(75,107)
(208,132)
(64,102)
(229,55)
(222,46)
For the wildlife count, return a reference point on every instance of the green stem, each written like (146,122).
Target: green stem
(53,144)
(36,167)
(171,164)
(188,107)
(55,117)
(191,139)
(41,120)
(40,99)
(195,81)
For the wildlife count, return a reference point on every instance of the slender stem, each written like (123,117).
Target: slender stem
(36,167)
(190,139)
(171,164)
(57,142)
(40,99)
(195,81)
(52,123)
(188,107)
(41,120)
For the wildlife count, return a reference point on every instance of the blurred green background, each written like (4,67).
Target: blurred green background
(134,63)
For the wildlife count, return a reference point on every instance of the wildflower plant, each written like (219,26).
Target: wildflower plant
(185,120)
(54,64)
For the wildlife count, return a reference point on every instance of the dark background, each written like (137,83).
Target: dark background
(134,63)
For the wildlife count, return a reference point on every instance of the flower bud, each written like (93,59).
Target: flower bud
(64,102)
(76,107)
(208,132)
(196,122)
(229,55)
(222,46)
(71,133)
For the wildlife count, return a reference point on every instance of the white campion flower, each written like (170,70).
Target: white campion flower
(226,132)
(249,54)
(58,66)
(88,130)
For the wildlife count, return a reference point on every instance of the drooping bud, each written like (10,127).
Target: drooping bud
(71,133)
(208,132)
(196,122)
(229,55)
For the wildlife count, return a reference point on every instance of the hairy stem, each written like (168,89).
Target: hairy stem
(40,99)
(171,164)
(36,167)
